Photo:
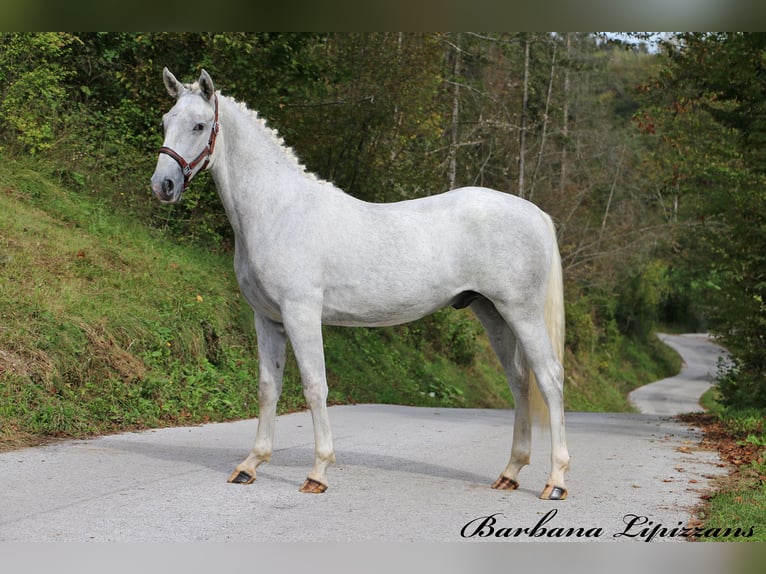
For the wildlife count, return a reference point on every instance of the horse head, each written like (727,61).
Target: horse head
(190,127)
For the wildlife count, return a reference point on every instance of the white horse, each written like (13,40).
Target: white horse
(306,254)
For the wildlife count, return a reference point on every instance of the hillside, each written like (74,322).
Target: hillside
(107,324)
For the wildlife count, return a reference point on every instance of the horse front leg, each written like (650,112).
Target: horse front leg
(304,328)
(271,355)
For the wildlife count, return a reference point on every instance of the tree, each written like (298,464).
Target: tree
(707,116)
(373,125)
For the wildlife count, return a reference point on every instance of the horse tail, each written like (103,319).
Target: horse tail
(554,324)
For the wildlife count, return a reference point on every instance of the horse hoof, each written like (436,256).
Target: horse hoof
(553,493)
(505,483)
(241,477)
(313,486)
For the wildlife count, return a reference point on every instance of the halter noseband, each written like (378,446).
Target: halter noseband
(188,168)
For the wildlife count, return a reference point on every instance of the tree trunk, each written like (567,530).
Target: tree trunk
(523,127)
(565,119)
(545,123)
(454,134)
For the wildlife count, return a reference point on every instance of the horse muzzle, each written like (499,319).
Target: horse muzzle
(167,189)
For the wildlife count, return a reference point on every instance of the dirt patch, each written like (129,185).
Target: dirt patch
(13,438)
(103,348)
(34,364)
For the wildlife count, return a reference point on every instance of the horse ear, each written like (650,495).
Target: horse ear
(173,86)
(206,85)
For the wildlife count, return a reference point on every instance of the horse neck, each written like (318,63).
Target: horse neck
(255,173)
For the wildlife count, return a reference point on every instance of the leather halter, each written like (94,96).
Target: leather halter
(188,167)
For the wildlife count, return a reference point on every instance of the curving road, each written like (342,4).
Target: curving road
(403,474)
(681,394)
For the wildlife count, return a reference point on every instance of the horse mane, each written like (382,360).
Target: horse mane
(271,134)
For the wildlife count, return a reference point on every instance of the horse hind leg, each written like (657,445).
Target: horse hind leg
(504,344)
(538,351)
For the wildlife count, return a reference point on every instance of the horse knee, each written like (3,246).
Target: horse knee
(267,392)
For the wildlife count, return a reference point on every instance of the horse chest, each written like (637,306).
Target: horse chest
(267,280)
(258,288)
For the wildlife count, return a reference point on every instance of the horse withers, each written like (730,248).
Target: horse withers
(308,254)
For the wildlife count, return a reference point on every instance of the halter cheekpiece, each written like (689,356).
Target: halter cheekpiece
(188,167)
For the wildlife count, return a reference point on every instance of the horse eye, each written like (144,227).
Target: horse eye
(199,127)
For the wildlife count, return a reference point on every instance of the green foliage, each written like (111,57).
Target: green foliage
(743,508)
(32,93)
(639,298)
(106,326)
(581,331)
(373,122)
(739,386)
(710,90)
(450,333)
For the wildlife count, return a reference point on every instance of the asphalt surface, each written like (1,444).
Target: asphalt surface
(403,474)
(680,394)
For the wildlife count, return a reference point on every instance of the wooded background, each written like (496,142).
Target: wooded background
(650,155)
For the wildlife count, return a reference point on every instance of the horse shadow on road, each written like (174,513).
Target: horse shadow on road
(222,461)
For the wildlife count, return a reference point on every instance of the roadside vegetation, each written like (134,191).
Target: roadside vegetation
(739,498)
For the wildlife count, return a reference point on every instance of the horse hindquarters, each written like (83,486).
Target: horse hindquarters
(528,338)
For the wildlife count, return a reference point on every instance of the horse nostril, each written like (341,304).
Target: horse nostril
(169,185)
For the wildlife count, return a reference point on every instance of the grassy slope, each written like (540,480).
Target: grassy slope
(106,325)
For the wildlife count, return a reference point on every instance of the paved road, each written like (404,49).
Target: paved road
(403,474)
(680,394)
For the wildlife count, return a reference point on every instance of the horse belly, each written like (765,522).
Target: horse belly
(369,312)
(393,294)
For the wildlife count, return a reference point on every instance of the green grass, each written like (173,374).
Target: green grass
(740,498)
(743,508)
(601,380)
(107,324)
